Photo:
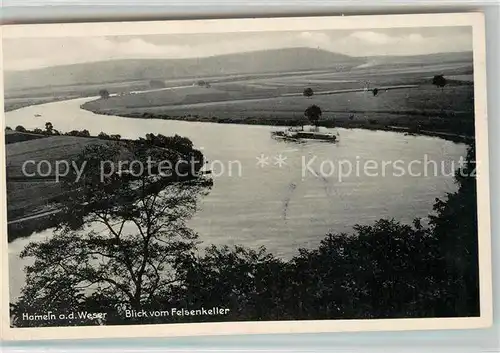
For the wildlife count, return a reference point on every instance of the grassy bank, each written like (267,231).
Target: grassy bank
(405,101)
(425,109)
(398,122)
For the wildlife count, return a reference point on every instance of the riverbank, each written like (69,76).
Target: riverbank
(409,122)
(402,106)
(12,104)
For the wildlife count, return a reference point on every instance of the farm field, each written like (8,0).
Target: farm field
(12,136)
(50,149)
(421,99)
(19,98)
(27,196)
(410,99)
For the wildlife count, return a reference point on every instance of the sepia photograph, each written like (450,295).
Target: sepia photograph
(245,176)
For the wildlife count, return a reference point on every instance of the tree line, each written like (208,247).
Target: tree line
(50,131)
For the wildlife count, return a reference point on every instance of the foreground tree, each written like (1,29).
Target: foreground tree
(119,237)
(455,226)
(252,283)
(375,272)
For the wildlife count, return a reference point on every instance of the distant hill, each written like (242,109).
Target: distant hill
(422,59)
(268,61)
(257,62)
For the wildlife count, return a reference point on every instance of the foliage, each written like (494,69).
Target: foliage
(104,93)
(379,271)
(177,143)
(203,83)
(439,81)
(308,92)
(247,281)
(313,113)
(20,128)
(83,133)
(455,228)
(117,236)
(49,128)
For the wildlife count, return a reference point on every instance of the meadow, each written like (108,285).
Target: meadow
(27,195)
(406,97)
(50,149)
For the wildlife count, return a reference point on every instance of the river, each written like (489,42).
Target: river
(281,207)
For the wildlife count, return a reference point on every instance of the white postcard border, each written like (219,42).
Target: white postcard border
(476,20)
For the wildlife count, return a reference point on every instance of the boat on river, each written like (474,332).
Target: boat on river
(300,134)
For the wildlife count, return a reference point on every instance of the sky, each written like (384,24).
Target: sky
(33,53)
